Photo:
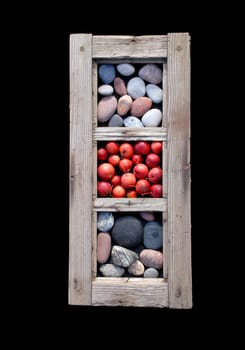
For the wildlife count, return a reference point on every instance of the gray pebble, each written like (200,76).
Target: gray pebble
(110,270)
(105,90)
(105,221)
(153,235)
(136,87)
(132,122)
(107,73)
(151,73)
(122,256)
(116,120)
(125,69)
(152,118)
(154,92)
(151,273)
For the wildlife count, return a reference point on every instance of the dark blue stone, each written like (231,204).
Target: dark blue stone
(107,73)
(153,235)
(127,231)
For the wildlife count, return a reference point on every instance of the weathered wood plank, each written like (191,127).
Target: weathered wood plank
(179,224)
(80,169)
(139,292)
(146,46)
(127,204)
(165,95)
(133,134)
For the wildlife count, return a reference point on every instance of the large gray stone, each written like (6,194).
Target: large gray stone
(111,270)
(136,87)
(122,256)
(127,231)
(151,73)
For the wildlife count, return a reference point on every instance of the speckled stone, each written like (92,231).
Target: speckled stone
(132,122)
(122,256)
(127,231)
(124,104)
(147,215)
(153,235)
(140,106)
(126,69)
(105,90)
(120,86)
(151,73)
(116,120)
(136,87)
(151,273)
(105,221)
(154,92)
(110,270)
(136,268)
(103,247)
(106,108)
(107,73)
(152,118)
(152,258)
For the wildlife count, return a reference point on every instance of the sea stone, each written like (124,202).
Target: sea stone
(151,73)
(140,106)
(153,235)
(132,122)
(107,73)
(151,273)
(154,92)
(116,120)
(125,69)
(152,258)
(127,231)
(136,87)
(110,270)
(105,221)
(147,215)
(106,108)
(120,86)
(103,247)
(136,268)
(122,256)
(152,118)
(124,104)
(105,90)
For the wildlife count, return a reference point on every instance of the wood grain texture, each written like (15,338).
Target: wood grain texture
(165,95)
(138,292)
(80,169)
(179,224)
(133,134)
(146,46)
(127,204)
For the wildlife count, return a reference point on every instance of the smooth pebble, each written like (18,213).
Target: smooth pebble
(116,120)
(122,256)
(151,273)
(132,122)
(107,73)
(106,108)
(105,221)
(136,268)
(136,87)
(127,231)
(152,258)
(140,106)
(153,235)
(110,270)
(103,247)
(125,69)
(151,73)
(105,90)
(152,118)
(124,104)
(120,86)
(154,92)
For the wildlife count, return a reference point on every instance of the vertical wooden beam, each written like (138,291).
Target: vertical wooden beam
(179,221)
(80,169)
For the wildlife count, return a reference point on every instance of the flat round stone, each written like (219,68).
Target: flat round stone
(110,270)
(152,118)
(120,86)
(125,69)
(151,273)
(153,235)
(105,221)
(127,231)
(122,256)
(136,268)
(107,73)
(103,247)
(152,258)
(151,73)
(106,108)
(105,90)
(136,87)
(116,120)
(154,92)
(132,122)
(124,104)
(140,106)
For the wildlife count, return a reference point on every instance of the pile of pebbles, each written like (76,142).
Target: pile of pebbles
(130,95)
(129,245)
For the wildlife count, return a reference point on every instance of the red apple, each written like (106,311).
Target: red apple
(106,171)
(152,160)
(126,150)
(114,159)
(102,153)
(128,180)
(112,147)
(140,171)
(116,180)
(143,187)
(156,147)
(142,147)
(104,188)
(156,191)
(118,192)
(137,158)
(131,194)
(125,165)
(155,175)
